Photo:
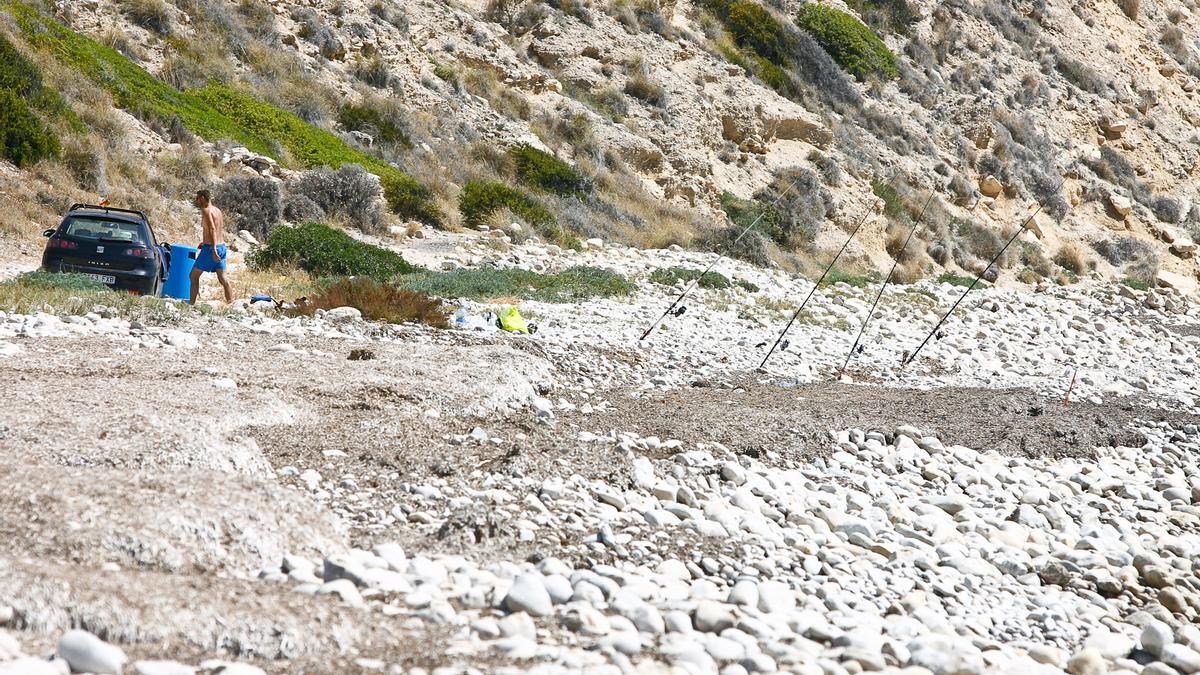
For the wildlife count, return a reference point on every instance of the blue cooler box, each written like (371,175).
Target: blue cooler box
(179,282)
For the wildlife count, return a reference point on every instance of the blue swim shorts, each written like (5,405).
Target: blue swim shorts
(204,258)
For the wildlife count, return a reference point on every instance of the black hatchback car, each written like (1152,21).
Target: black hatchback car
(115,247)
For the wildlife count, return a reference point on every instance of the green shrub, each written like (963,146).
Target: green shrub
(755,28)
(893,204)
(980,241)
(445,73)
(783,57)
(573,284)
(479,200)
(18,75)
(379,301)
(837,275)
(671,276)
(384,125)
(796,205)
(24,140)
(324,251)
(959,280)
(1034,260)
(1137,284)
(408,198)
(543,171)
(75,294)
(745,212)
(851,43)
(788,218)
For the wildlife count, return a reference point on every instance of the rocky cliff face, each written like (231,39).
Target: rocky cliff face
(1088,109)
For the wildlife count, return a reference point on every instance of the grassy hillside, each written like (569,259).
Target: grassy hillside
(215,111)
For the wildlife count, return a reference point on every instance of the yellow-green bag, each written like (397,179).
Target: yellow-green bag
(510,319)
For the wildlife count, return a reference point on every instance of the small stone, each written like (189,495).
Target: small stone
(528,594)
(627,642)
(1155,636)
(1182,658)
(559,588)
(647,619)
(990,186)
(86,653)
(745,593)
(1173,600)
(344,589)
(607,496)
(1046,654)
(585,619)
(519,624)
(343,567)
(1120,205)
(1087,662)
(733,473)
(1156,576)
(678,622)
(487,629)
(712,617)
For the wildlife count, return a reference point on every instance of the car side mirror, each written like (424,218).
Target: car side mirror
(48,233)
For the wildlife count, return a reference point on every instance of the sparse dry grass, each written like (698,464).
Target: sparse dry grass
(282,283)
(71,294)
(1070,258)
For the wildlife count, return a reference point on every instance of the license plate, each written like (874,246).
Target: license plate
(102,278)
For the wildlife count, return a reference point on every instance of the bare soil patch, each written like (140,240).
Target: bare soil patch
(752,417)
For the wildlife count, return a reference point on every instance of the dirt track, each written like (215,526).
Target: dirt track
(795,420)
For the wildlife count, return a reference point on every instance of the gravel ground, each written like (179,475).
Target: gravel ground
(237,488)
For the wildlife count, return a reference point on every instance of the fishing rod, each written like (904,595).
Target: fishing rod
(909,359)
(695,282)
(813,290)
(883,286)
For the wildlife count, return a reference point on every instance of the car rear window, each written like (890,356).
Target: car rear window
(102,230)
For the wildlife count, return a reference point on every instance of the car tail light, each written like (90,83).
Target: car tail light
(62,243)
(137,252)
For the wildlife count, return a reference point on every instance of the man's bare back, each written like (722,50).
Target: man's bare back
(212,222)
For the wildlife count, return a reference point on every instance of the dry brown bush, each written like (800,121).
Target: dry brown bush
(379,302)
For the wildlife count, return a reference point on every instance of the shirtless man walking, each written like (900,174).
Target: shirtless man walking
(211,257)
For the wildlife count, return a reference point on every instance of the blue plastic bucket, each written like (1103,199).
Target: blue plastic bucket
(179,282)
